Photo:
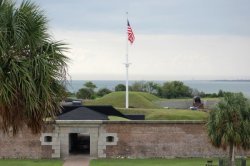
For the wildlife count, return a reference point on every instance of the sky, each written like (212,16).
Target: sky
(174,39)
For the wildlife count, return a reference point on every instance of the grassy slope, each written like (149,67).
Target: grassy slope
(190,99)
(117,99)
(149,162)
(13,162)
(144,103)
(166,114)
(117,118)
(154,162)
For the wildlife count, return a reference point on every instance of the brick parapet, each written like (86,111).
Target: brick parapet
(114,139)
(161,139)
(24,145)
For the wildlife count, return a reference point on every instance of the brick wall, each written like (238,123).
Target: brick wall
(24,145)
(160,139)
(135,139)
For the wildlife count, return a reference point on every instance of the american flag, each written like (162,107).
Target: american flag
(131,36)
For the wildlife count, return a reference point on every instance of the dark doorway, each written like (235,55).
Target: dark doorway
(79,143)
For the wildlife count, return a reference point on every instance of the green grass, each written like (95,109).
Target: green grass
(117,118)
(190,99)
(145,103)
(17,162)
(166,114)
(154,162)
(117,99)
(149,162)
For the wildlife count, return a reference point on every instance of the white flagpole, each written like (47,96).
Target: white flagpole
(127,66)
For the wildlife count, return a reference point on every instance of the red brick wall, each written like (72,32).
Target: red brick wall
(23,145)
(135,140)
(161,140)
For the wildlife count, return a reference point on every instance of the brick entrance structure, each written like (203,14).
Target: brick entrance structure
(115,139)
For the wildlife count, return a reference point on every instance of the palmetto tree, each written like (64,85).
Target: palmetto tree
(229,124)
(32,68)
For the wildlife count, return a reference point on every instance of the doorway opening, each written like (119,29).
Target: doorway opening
(79,143)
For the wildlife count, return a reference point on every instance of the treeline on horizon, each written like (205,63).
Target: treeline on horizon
(169,90)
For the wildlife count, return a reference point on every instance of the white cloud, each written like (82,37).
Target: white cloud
(100,55)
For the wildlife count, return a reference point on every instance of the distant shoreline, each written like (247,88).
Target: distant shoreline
(233,80)
(207,86)
(168,80)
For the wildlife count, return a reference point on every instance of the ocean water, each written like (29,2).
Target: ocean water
(207,86)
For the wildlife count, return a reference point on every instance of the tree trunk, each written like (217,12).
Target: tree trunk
(231,155)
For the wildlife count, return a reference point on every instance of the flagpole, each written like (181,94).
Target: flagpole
(127,66)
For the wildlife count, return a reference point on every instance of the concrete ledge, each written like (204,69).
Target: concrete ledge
(89,122)
(76,122)
(156,122)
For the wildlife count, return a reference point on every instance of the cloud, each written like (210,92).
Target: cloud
(178,39)
(100,55)
(192,17)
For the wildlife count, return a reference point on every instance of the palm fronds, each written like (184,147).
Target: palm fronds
(32,68)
